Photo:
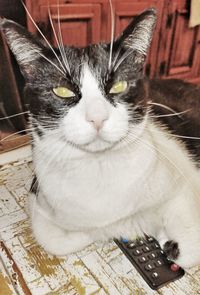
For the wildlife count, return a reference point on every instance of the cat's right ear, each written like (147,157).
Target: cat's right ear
(133,44)
(26,49)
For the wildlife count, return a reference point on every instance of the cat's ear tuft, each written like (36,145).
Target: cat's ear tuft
(137,36)
(23,45)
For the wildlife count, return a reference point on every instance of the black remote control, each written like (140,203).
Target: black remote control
(151,262)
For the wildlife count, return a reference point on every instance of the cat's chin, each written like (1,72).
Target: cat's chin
(100,144)
(95,146)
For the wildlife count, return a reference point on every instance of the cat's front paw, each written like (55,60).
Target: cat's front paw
(66,243)
(171,249)
(186,257)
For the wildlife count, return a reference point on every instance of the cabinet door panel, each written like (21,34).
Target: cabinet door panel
(178,49)
(79,23)
(196,60)
(182,49)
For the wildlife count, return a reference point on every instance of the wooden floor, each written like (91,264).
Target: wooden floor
(25,268)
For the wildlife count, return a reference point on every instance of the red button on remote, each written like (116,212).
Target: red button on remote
(174,267)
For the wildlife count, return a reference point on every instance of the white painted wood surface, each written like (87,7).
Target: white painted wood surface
(101,268)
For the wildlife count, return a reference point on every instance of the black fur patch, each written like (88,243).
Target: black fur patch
(171,249)
(34,186)
(181,97)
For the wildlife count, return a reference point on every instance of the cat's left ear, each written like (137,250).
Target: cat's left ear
(25,47)
(136,38)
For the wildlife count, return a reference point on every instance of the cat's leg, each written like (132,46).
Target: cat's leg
(130,228)
(170,247)
(180,238)
(54,239)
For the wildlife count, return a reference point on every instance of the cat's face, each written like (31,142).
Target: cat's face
(89,97)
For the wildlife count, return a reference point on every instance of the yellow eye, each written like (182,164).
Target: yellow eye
(119,87)
(63,92)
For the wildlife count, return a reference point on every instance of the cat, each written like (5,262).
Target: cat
(115,154)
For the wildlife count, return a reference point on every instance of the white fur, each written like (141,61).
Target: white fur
(78,126)
(94,185)
(140,38)
(25,52)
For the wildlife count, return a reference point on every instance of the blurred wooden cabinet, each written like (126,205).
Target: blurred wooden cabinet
(89,21)
(179,45)
(80,24)
(175,49)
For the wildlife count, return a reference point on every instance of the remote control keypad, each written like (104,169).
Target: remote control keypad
(150,260)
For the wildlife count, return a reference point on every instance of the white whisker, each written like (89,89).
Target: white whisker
(116,56)
(51,62)
(43,35)
(171,115)
(61,39)
(162,106)
(13,134)
(112,34)
(178,136)
(11,139)
(56,38)
(187,137)
(124,56)
(14,115)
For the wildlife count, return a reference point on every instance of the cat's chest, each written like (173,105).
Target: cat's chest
(101,189)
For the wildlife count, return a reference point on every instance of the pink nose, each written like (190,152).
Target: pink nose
(97,123)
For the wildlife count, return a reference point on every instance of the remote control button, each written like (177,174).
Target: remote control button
(149,266)
(152,255)
(174,267)
(143,259)
(124,240)
(155,275)
(131,245)
(150,239)
(146,249)
(140,242)
(136,252)
(156,246)
(158,262)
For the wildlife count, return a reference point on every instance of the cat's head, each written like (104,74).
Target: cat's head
(91,97)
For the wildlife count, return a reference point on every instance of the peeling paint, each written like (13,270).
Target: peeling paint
(77,284)
(43,262)
(4,286)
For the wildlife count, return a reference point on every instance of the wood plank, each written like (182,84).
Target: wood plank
(13,270)
(7,220)
(48,266)
(22,260)
(125,270)
(80,277)
(6,286)
(109,251)
(19,229)
(21,196)
(103,273)
(17,176)
(7,201)
(39,287)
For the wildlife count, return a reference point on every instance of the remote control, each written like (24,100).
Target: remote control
(150,260)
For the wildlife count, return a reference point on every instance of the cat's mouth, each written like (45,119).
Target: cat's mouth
(97,145)
(94,146)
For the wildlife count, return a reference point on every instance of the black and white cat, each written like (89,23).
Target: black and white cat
(108,162)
